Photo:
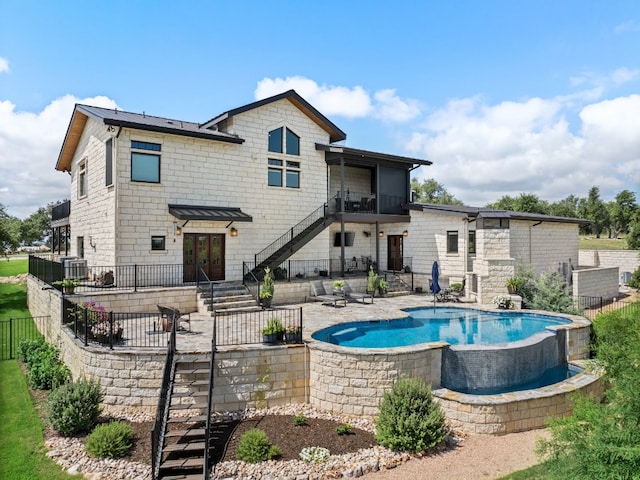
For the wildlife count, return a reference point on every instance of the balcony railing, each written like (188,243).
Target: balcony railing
(367,203)
(61,211)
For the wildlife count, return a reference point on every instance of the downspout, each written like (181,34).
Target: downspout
(116,211)
(530,242)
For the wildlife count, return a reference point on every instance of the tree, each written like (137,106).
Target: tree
(9,230)
(633,237)
(622,212)
(525,202)
(430,191)
(567,207)
(594,209)
(37,226)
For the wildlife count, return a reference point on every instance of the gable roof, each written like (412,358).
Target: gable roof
(335,134)
(475,212)
(119,118)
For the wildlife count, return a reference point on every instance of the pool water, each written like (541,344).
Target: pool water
(549,377)
(456,326)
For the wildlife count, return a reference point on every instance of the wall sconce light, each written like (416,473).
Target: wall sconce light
(233,232)
(92,242)
(177,229)
(405,233)
(367,234)
(381,234)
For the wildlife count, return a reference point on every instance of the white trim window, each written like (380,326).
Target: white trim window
(83,179)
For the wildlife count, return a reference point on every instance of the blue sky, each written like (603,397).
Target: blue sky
(504,97)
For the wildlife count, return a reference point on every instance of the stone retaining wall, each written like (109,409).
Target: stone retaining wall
(596,282)
(625,260)
(353,383)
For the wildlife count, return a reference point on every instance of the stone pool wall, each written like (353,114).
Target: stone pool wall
(514,411)
(353,381)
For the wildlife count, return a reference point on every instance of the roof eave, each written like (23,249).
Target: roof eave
(174,131)
(71,139)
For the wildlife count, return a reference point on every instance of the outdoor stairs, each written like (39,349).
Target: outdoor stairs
(396,286)
(225,297)
(184,440)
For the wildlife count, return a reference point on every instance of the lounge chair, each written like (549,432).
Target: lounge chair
(350,294)
(319,294)
(456,294)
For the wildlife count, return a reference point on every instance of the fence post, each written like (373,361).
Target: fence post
(10,338)
(86,326)
(135,277)
(111,330)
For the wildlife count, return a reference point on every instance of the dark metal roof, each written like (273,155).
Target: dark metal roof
(334,152)
(474,212)
(143,121)
(336,135)
(212,214)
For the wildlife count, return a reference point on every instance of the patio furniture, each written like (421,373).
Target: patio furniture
(319,294)
(456,294)
(168,313)
(350,294)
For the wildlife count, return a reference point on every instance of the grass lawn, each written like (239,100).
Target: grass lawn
(13,301)
(21,433)
(13,267)
(589,242)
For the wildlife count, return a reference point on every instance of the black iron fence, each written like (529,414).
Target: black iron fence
(241,328)
(14,330)
(594,305)
(46,270)
(93,324)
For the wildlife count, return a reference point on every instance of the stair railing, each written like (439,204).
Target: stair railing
(250,281)
(159,429)
(207,431)
(317,214)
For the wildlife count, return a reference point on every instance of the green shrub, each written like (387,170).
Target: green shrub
(75,407)
(525,280)
(27,347)
(409,419)
(552,295)
(634,282)
(44,369)
(110,440)
(343,429)
(299,420)
(254,447)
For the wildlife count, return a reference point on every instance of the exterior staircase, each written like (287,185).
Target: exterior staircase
(225,297)
(183,443)
(396,286)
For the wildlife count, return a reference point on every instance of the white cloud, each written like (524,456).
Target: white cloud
(4,65)
(629,26)
(482,152)
(347,102)
(29,147)
(615,78)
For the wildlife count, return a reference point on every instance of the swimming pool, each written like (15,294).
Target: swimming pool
(455,326)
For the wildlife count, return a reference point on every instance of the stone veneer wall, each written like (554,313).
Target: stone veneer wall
(596,282)
(625,260)
(354,383)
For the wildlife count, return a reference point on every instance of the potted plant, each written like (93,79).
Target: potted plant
(382,287)
(68,285)
(266,292)
(503,301)
(293,334)
(338,285)
(513,285)
(100,331)
(273,332)
(372,281)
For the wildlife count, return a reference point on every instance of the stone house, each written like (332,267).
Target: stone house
(270,184)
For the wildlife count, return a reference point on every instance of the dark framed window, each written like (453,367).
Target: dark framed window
(452,242)
(154,147)
(292,143)
(274,173)
(275,140)
(158,242)
(80,244)
(108,166)
(293,174)
(145,167)
(472,242)
(490,223)
(82,179)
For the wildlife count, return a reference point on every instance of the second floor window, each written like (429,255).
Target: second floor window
(145,167)
(283,140)
(280,170)
(82,179)
(452,242)
(472,242)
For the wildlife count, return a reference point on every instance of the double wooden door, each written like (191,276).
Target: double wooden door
(203,251)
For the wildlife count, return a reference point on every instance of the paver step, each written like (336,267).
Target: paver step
(189,393)
(189,419)
(228,298)
(191,432)
(192,371)
(187,406)
(190,476)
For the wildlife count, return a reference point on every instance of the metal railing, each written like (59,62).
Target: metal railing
(46,270)
(243,328)
(309,222)
(14,330)
(358,202)
(91,323)
(595,305)
(159,428)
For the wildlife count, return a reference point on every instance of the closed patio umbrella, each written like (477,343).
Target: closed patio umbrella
(435,287)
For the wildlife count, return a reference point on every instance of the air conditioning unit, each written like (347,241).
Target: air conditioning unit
(76,268)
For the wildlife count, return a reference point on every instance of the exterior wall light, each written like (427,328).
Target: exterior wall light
(381,234)
(233,232)
(177,229)
(405,233)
